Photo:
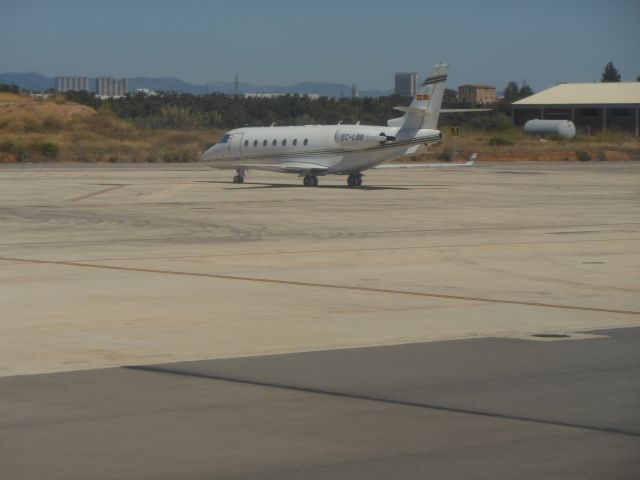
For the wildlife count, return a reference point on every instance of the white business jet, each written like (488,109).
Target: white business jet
(315,150)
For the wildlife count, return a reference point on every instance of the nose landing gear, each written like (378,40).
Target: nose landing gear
(354,180)
(239,178)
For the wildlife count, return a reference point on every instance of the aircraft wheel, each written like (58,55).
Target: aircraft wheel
(238,179)
(307,181)
(314,181)
(354,180)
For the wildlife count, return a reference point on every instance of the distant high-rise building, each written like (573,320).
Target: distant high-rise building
(406,83)
(110,87)
(355,93)
(66,84)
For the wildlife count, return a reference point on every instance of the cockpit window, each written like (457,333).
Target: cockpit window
(225,139)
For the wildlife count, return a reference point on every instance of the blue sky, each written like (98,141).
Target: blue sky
(282,42)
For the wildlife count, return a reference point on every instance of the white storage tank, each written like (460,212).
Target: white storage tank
(562,128)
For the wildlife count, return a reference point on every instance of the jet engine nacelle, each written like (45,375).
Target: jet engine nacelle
(358,138)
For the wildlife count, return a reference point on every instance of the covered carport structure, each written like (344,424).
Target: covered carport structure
(592,107)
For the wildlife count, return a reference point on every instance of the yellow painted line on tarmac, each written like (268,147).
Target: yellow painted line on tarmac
(322,285)
(93,194)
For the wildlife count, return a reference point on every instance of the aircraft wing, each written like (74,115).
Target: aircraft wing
(288,167)
(470,162)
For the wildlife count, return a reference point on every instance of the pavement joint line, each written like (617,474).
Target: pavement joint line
(241,238)
(373,398)
(93,194)
(306,252)
(322,285)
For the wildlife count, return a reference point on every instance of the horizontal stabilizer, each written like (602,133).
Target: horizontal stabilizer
(468,163)
(466,110)
(420,110)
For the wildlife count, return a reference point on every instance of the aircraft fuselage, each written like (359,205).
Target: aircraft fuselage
(341,149)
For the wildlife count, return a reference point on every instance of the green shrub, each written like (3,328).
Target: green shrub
(8,146)
(582,156)
(22,154)
(179,156)
(29,125)
(499,122)
(500,141)
(11,88)
(48,149)
(51,123)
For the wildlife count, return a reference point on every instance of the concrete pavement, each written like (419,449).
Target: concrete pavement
(112,265)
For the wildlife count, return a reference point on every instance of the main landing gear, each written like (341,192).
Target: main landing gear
(239,178)
(310,181)
(354,180)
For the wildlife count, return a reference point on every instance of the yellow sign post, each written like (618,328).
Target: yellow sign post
(455,132)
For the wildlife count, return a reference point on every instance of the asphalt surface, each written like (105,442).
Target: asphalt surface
(481,408)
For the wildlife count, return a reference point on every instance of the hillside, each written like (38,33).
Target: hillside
(56,130)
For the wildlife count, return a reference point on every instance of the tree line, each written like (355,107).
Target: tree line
(187,111)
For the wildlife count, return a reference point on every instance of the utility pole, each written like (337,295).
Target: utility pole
(236,85)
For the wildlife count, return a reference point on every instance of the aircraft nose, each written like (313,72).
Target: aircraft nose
(210,154)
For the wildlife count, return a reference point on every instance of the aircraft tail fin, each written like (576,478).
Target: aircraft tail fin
(424,110)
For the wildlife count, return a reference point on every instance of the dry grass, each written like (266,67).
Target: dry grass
(511,144)
(46,130)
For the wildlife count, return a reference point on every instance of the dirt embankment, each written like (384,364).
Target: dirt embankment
(16,109)
(52,129)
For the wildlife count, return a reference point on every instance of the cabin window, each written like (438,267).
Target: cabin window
(255,143)
(306,141)
(284,142)
(264,143)
(225,139)
(275,142)
(246,143)
(295,142)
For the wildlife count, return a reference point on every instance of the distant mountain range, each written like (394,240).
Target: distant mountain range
(35,81)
